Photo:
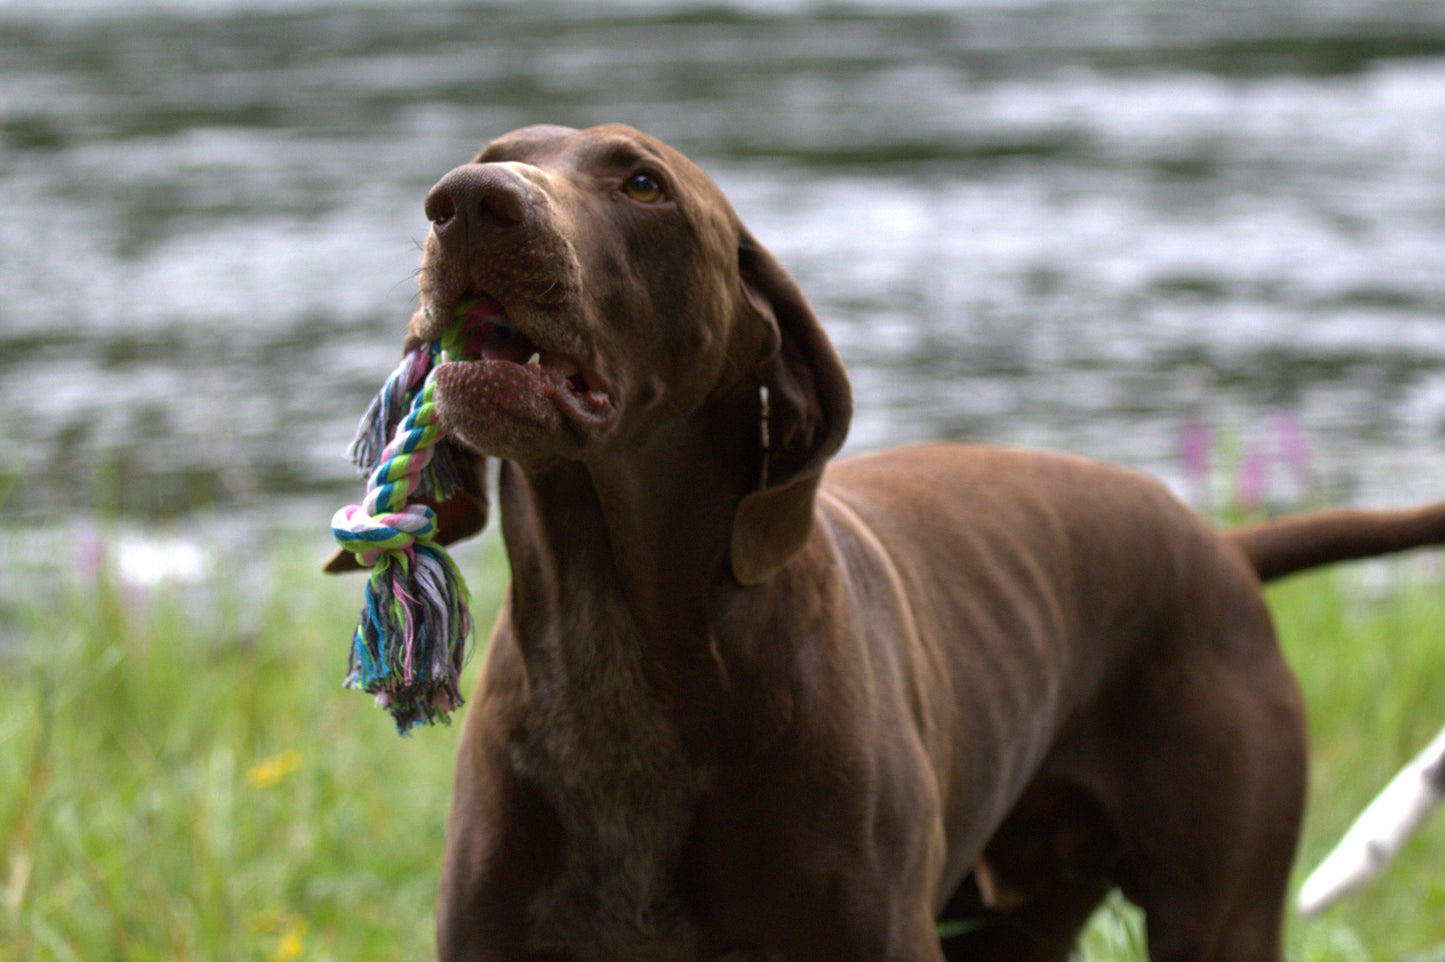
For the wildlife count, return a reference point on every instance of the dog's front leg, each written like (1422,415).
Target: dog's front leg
(502,844)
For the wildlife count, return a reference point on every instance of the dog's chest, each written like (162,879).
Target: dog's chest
(612,765)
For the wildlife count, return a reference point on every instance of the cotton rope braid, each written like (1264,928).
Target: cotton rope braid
(410,642)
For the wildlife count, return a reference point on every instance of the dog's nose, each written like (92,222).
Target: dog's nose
(476,200)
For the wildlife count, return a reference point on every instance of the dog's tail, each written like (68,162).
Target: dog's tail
(1294,543)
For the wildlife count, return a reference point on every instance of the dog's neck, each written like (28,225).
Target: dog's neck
(645,533)
(613,565)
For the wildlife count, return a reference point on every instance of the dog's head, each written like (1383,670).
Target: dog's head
(607,289)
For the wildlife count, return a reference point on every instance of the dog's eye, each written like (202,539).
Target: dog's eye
(644,188)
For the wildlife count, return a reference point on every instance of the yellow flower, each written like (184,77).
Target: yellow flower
(290,932)
(292,944)
(272,771)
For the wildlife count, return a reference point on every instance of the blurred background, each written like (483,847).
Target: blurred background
(1205,239)
(1202,239)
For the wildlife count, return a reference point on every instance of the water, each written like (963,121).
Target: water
(1093,226)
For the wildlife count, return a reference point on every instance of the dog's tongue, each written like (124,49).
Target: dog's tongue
(481,309)
(472,319)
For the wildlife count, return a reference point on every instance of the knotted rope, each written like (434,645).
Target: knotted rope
(410,642)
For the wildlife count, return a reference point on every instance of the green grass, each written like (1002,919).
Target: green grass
(192,785)
(187,782)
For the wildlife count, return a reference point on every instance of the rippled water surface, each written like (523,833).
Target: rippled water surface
(1096,226)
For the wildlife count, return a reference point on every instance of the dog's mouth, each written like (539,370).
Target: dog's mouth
(501,363)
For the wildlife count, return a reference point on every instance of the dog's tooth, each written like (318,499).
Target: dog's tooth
(535,360)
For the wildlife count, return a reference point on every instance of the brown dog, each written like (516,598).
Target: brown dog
(742,703)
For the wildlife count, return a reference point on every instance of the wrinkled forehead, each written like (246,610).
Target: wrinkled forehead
(610,150)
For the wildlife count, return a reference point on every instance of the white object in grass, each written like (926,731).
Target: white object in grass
(1380,830)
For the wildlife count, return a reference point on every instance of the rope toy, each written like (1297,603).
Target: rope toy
(410,642)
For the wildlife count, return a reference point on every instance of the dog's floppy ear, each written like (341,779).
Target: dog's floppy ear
(460,516)
(809,407)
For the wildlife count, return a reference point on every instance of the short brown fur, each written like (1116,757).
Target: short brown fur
(744,703)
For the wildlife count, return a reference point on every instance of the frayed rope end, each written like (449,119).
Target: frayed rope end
(410,643)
